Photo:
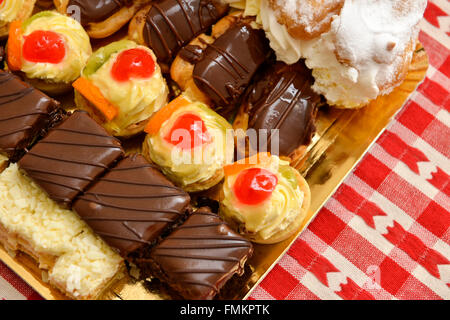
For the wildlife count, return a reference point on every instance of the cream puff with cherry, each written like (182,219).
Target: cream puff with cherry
(50,50)
(264,198)
(190,142)
(121,87)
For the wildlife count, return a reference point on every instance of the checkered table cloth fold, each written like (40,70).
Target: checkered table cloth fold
(385,234)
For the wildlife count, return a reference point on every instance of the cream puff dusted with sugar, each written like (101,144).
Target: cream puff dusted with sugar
(357,50)
(71,257)
(367,51)
(49,49)
(190,142)
(121,87)
(264,198)
(11,10)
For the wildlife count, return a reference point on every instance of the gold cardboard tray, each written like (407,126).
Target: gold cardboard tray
(342,138)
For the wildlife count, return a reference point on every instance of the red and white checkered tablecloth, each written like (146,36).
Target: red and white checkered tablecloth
(385,234)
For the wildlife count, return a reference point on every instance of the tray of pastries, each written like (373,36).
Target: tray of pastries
(175,149)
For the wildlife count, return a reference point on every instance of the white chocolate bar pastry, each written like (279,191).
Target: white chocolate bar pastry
(78,263)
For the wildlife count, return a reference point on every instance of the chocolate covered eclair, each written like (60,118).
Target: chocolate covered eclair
(217,70)
(282,106)
(167,25)
(100,18)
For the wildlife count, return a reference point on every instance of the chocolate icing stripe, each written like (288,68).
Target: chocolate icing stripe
(6,77)
(230,59)
(127,218)
(195,257)
(134,168)
(134,196)
(160,35)
(20,93)
(209,85)
(81,144)
(18,116)
(198,271)
(206,246)
(58,184)
(83,133)
(128,208)
(277,94)
(17,96)
(50,172)
(186,16)
(9,133)
(62,160)
(285,113)
(201,225)
(169,23)
(115,236)
(142,184)
(209,238)
(132,230)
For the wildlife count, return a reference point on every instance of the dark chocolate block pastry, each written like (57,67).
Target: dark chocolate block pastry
(167,25)
(25,113)
(71,157)
(200,256)
(223,67)
(281,102)
(132,205)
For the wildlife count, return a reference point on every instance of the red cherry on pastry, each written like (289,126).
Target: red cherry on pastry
(188,132)
(254,185)
(133,63)
(44,46)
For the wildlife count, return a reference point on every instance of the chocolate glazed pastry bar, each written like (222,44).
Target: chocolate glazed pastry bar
(218,69)
(167,25)
(25,114)
(200,256)
(281,99)
(71,157)
(132,206)
(100,18)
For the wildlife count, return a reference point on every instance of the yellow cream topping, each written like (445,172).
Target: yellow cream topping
(136,99)
(9,9)
(186,167)
(274,214)
(78,49)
